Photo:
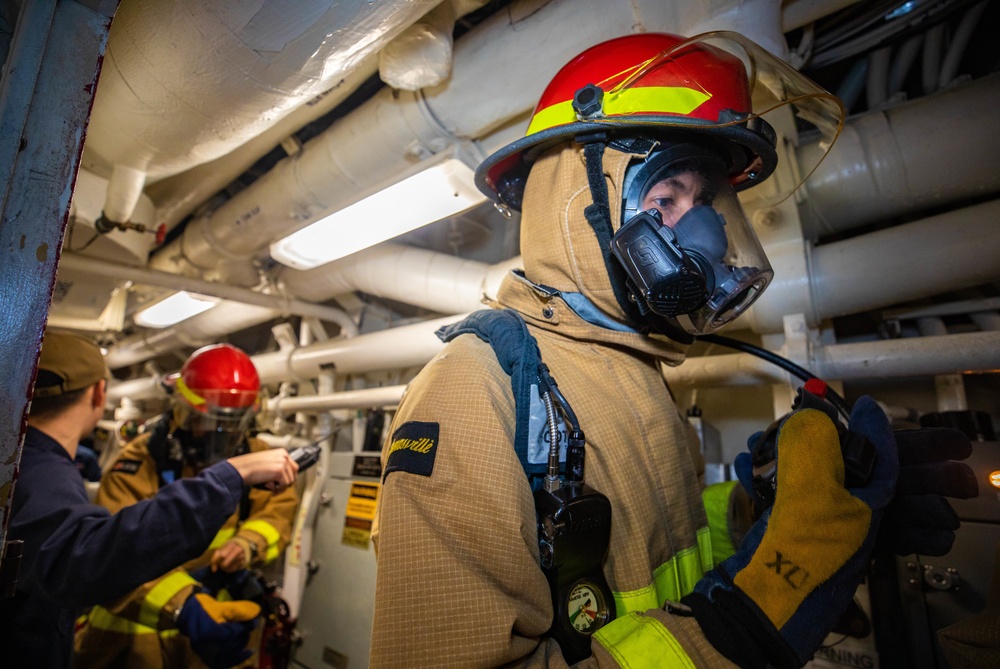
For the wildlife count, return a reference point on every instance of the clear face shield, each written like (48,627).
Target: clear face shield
(775,90)
(217,423)
(689,252)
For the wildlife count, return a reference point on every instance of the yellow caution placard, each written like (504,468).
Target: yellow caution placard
(359,515)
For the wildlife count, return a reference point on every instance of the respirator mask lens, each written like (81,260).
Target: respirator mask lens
(689,253)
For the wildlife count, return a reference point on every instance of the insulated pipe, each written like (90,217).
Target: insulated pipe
(959,42)
(205,328)
(421,55)
(187,81)
(210,288)
(971,307)
(394,129)
(903,61)
(877,85)
(124,190)
(288,441)
(892,358)
(135,390)
(920,155)
(927,257)
(177,196)
(949,388)
(396,348)
(428,279)
(931,63)
(383,396)
(986,320)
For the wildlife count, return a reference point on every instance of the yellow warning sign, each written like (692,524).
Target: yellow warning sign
(360,514)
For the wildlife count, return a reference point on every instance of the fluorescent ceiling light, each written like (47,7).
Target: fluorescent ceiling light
(174,309)
(443,189)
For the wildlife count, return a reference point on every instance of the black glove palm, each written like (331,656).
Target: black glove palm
(919,519)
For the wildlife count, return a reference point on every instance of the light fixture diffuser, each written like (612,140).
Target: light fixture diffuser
(174,309)
(442,188)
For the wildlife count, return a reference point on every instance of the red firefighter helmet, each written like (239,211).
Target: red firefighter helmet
(217,380)
(215,398)
(717,84)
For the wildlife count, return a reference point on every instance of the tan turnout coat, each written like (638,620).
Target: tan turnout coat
(459,584)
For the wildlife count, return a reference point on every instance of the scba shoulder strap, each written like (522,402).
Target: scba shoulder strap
(518,354)
(168,464)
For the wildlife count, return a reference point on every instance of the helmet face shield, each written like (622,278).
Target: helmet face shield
(717,84)
(689,252)
(218,436)
(775,88)
(216,397)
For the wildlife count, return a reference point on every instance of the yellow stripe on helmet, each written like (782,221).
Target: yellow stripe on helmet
(650,99)
(191,396)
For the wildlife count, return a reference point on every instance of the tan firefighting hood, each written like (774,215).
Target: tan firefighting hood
(560,250)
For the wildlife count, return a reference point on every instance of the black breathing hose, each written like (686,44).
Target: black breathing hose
(831,396)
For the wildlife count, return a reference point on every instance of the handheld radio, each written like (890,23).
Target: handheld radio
(304,456)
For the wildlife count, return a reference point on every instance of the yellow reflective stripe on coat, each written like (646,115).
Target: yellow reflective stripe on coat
(162,592)
(270,534)
(102,619)
(224,535)
(646,99)
(671,580)
(640,642)
(716,499)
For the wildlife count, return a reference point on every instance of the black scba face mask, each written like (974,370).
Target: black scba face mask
(707,268)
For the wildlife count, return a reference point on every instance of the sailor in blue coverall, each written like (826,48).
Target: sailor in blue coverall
(76,554)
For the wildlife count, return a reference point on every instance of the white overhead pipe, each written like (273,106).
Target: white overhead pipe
(135,390)
(946,309)
(124,190)
(959,43)
(382,396)
(421,55)
(500,69)
(932,256)
(949,388)
(205,328)
(428,279)
(187,81)
(210,288)
(179,195)
(927,257)
(986,320)
(395,348)
(930,152)
(909,356)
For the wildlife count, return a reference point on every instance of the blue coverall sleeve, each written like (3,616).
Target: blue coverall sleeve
(91,556)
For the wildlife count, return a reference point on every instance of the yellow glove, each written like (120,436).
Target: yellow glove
(218,631)
(224,612)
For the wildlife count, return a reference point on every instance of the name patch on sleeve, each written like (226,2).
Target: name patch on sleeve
(412,449)
(127,466)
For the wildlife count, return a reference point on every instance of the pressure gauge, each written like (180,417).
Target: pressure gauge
(587,608)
